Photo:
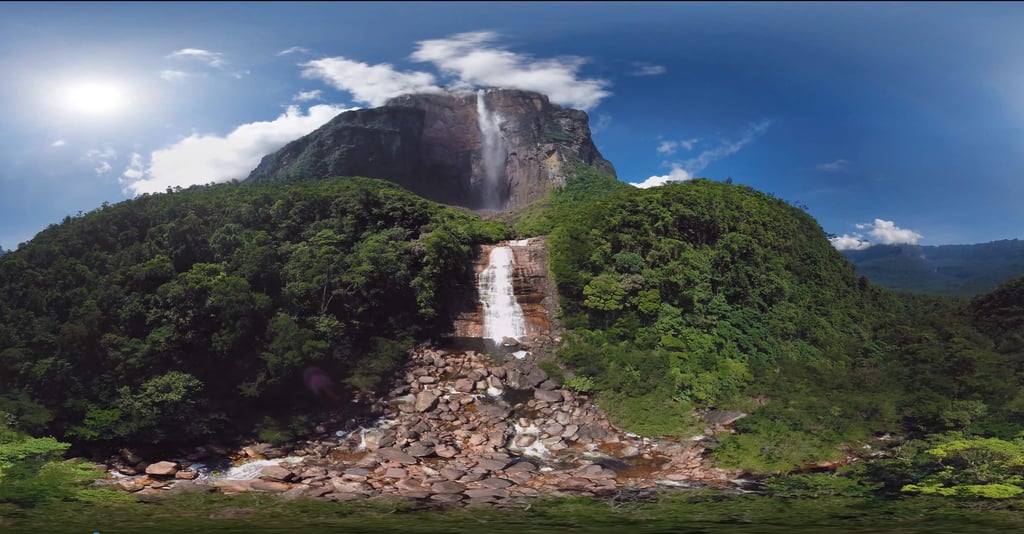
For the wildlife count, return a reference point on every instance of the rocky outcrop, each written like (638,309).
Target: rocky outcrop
(433,146)
(460,428)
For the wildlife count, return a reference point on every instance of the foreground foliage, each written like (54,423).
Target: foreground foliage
(668,512)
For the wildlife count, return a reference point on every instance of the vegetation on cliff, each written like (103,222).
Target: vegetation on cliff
(174,317)
(704,295)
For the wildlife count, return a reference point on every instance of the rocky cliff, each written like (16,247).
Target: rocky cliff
(494,149)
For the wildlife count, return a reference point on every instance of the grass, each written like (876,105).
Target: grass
(670,512)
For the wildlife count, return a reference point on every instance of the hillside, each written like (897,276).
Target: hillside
(178,317)
(959,270)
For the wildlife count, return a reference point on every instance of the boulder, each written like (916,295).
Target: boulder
(163,469)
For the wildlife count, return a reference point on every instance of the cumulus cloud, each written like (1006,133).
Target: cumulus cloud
(850,242)
(887,233)
(59,142)
(474,60)
(839,165)
(293,50)
(369,84)
(305,96)
(212,59)
(677,174)
(884,232)
(201,159)
(647,69)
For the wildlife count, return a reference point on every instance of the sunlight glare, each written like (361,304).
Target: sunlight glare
(93,98)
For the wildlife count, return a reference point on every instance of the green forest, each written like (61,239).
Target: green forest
(175,318)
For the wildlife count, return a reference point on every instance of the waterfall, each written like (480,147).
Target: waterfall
(503,317)
(492,150)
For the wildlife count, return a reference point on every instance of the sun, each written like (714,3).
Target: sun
(94,97)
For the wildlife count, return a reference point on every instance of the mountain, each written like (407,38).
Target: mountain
(961,270)
(495,149)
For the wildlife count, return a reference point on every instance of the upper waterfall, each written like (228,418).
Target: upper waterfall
(493,152)
(503,317)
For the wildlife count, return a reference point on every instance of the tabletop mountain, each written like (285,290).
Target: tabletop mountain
(495,149)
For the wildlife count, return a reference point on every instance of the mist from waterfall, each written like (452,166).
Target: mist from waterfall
(503,317)
(493,152)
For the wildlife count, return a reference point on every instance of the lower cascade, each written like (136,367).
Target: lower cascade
(503,317)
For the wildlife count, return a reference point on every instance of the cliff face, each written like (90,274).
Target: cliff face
(438,147)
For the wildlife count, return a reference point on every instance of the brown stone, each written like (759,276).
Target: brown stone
(163,469)
(547,395)
(395,455)
(186,475)
(447,486)
(269,486)
(520,467)
(276,472)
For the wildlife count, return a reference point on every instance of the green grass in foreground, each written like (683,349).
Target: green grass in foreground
(672,512)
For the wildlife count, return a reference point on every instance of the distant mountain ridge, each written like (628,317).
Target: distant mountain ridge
(961,270)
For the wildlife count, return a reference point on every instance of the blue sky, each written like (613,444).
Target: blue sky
(890,122)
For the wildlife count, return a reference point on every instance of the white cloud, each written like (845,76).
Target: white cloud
(136,168)
(689,143)
(647,69)
(173,75)
(201,159)
(884,232)
(212,59)
(474,60)
(100,159)
(677,174)
(369,84)
(305,96)
(293,50)
(59,142)
(850,242)
(725,147)
(602,124)
(839,165)
(887,233)
(668,147)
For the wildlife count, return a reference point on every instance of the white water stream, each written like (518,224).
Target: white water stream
(503,317)
(493,151)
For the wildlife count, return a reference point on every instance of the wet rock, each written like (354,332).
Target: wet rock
(377,438)
(425,400)
(420,450)
(448,486)
(396,472)
(446,451)
(548,395)
(491,464)
(163,469)
(186,475)
(276,472)
(451,473)
(464,385)
(486,493)
(269,486)
(525,440)
(395,455)
(495,483)
(520,467)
